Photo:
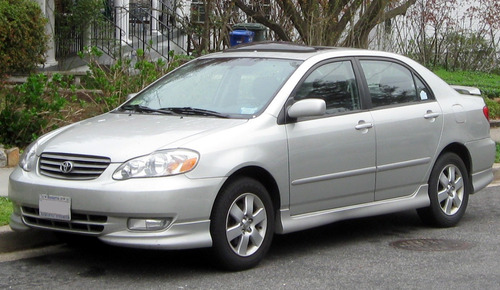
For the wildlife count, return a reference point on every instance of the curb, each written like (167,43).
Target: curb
(12,241)
(4,229)
(496,174)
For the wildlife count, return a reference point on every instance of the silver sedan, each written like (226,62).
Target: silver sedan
(262,139)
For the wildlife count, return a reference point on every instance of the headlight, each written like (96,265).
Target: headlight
(161,163)
(28,158)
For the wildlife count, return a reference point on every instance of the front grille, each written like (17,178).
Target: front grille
(72,166)
(81,223)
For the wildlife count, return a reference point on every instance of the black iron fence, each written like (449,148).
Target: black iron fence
(68,37)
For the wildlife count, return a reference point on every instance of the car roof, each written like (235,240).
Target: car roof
(287,50)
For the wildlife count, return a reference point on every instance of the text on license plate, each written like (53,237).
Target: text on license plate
(55,207)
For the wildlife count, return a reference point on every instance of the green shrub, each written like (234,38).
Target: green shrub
(23,41)
(32,109)
(125,76)
(45,103)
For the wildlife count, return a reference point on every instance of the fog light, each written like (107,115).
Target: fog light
(148,224)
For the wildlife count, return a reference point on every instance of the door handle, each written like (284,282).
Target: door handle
(363,126)
(431,115)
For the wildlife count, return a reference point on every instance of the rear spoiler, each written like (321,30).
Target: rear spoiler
(467,90)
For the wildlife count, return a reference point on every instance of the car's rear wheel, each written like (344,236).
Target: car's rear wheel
(449,189)
(242,224)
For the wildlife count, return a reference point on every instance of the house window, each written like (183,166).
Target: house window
(198,12)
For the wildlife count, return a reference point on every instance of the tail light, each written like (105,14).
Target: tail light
(486,113)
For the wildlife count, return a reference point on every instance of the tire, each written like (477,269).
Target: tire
(449,189)
(242,224)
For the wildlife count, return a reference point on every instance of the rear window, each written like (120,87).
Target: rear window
(390,83)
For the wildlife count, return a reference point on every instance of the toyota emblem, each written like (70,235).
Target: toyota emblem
(66,167)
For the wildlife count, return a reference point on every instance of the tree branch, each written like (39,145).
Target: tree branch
(259,17)
(400,10)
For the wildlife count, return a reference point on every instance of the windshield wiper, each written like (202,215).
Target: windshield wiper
(141,109)
(195,111)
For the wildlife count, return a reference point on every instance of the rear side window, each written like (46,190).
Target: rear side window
(390,83)
(335,83)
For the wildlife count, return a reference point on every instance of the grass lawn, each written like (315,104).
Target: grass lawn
(497,156)
(5,210)
(489,83)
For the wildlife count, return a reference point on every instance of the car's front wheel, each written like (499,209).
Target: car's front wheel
(242,224)
(449,189)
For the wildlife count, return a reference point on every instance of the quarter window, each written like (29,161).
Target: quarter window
(391,83)
(335,84)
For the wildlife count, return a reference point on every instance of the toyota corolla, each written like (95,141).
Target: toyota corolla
(262,139)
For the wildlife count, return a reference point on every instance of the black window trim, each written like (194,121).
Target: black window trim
(283,117)
(366,93)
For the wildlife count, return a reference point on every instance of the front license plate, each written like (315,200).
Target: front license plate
(55,207)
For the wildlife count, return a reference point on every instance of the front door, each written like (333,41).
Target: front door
(332,157)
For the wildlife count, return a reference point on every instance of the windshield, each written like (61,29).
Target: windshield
(230,87)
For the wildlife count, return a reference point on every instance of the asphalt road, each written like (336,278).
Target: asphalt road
(357,254)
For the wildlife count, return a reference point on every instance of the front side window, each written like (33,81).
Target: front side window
(390,83)
(236,87)
(335,83)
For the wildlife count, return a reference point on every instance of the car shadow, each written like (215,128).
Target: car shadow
(372,229)
(91,258)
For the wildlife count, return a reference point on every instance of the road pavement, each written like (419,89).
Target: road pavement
(393,251)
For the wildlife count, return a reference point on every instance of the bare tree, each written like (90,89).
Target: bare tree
(454,34)
(327,22)
(207,23)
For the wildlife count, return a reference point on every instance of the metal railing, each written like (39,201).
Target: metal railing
(104,37)
(151,32)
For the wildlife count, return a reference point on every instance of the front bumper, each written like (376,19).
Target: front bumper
(103,207)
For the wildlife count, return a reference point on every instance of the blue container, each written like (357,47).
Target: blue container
(240,36)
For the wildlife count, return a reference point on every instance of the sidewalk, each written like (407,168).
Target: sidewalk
(495,133)
(4,180)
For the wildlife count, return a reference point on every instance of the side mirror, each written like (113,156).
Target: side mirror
(130,96)
(307,108)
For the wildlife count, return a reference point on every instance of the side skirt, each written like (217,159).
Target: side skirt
(289,224)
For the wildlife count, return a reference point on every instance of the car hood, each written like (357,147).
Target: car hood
(124,136)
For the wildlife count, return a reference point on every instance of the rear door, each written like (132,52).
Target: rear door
(408,123)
